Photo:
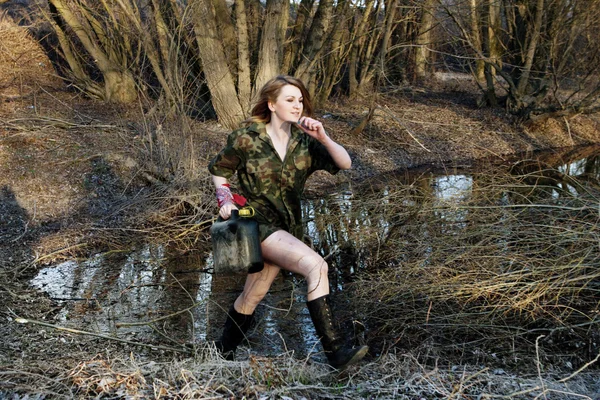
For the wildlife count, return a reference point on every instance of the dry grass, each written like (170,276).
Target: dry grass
(481,274)
(24,66)
(208,377)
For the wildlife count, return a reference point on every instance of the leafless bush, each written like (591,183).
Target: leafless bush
(509,259)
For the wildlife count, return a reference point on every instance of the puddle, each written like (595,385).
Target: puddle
(107,292)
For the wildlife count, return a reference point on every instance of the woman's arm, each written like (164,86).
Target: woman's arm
(315,129)
(338,153)
(224,196)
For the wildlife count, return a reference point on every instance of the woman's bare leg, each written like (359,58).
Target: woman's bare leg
(283,250)
(256,287)
(290,253)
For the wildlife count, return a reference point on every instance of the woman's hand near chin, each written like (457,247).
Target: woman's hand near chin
(313,128)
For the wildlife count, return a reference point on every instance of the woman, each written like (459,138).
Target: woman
(273,156)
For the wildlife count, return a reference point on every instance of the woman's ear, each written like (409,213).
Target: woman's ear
(271,107)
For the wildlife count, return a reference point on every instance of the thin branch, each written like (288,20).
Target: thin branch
(143,323)
(391,114)
(100,335)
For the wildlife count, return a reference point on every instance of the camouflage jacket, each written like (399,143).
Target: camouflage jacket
(273,187)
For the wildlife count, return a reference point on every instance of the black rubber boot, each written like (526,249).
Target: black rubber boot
(234,332)
(338,355)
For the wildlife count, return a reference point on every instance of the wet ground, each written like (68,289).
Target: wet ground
(150,296)
(122,294)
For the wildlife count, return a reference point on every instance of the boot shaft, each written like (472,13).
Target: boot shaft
(338,355)
(234,332)
(322,317)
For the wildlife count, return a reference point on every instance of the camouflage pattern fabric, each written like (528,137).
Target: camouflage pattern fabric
(272,186)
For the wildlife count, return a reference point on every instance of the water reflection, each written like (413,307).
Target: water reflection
(108,292)
(116,293)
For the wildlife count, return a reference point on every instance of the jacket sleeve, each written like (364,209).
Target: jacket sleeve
(228,160)
(321,159)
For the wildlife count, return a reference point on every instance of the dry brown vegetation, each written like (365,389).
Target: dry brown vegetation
(509,263)
(78,176)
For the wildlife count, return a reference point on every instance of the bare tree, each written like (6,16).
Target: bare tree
(337,52)
(294,43)
(215,67)
(357,43)
(536,57)
(315,40)
(105,40)
(545,45)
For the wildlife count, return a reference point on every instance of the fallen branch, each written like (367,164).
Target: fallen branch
(60,123)
(585,366)
(100,335)
(143,323)
(395,118)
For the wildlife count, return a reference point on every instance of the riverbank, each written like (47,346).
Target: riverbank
(79,177)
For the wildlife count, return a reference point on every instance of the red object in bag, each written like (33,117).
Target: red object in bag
(239,200)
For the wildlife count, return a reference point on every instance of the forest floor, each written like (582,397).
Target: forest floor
(69,164)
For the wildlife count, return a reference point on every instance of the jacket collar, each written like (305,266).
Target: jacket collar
(261,129)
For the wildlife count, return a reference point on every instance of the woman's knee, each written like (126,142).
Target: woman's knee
(314,266)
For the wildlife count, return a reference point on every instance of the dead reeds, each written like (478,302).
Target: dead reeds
(482,268)
(393,376)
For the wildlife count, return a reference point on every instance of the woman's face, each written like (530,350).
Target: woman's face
(288,107)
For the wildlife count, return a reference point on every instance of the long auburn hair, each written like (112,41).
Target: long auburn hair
(269,93)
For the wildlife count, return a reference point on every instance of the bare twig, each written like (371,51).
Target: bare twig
(144,323)
(100,335)
(583,367)
(399,121)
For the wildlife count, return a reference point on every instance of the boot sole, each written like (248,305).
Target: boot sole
(359,355)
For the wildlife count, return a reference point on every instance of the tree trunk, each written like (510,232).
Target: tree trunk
(488,71)
(336,54)
(532,45)
(244,81)
(375,67)
(294,43)
(227,32)
(78,74)
(273,35)
(254,19)
(388,29)
(216,70)
(423,40)
(316,37)
(153,54)
(368,60)
(119,85)
(358,41)
(476,39)
(494,30)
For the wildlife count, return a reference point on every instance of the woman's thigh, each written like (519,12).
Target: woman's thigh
(288,252)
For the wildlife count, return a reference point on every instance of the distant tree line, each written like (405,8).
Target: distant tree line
(536,58)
